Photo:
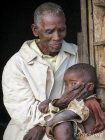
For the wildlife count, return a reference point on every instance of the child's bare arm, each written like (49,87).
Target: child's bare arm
(63,116)
(76,110)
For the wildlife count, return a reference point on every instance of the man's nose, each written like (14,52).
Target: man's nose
(56,36)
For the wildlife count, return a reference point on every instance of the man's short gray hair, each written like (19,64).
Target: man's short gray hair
(47,8)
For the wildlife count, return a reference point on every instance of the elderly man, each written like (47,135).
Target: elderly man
(35,73)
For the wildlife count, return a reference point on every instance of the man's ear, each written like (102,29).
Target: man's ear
(34,30)
(90,86)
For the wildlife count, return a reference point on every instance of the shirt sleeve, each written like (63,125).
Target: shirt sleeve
(19,99)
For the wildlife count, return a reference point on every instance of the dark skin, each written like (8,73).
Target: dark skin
(62,103)
(64,116)
(86,126)
(65,129)
(74,84)
(35,133)
(51,31)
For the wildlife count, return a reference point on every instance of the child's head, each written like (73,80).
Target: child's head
(81,73)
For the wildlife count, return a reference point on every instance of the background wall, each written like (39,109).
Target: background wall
(16,21)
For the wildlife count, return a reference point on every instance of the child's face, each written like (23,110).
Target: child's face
(72,80)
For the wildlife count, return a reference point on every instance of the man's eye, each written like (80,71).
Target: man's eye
(49,31)
(62,30)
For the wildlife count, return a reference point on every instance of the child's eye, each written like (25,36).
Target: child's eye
(74,83)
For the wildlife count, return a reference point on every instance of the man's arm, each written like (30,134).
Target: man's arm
(19,99)
(70,95)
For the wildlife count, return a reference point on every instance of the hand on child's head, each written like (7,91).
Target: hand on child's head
(84,93)
(76,88)
(78,85)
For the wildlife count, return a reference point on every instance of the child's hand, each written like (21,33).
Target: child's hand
(44,106)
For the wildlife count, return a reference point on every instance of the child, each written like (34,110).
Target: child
(87,125)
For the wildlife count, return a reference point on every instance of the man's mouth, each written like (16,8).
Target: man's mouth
(56,45)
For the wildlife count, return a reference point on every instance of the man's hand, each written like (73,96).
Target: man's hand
(35,133)
(77,92)
(44,106)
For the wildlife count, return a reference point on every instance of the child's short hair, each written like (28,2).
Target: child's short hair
(86,71)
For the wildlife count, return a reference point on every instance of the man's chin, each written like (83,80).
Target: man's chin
(54,53)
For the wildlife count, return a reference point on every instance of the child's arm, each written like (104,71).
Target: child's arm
(76,110)
(62,117)
(59,118)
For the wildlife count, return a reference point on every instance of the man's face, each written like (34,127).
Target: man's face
(51,32)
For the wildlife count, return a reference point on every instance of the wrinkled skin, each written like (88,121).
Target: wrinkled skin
(51,31)
(75,88)
(44,106)
(65,99)
(71,94)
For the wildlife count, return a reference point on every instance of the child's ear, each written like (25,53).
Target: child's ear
(90,86)
(34,30)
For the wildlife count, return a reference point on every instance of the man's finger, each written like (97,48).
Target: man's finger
(78,90)
(78,85)
(83,93)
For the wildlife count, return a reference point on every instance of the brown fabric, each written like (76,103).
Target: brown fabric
(94,105)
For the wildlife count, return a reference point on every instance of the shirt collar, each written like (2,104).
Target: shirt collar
(29,54)
(69,48)
(34,46)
